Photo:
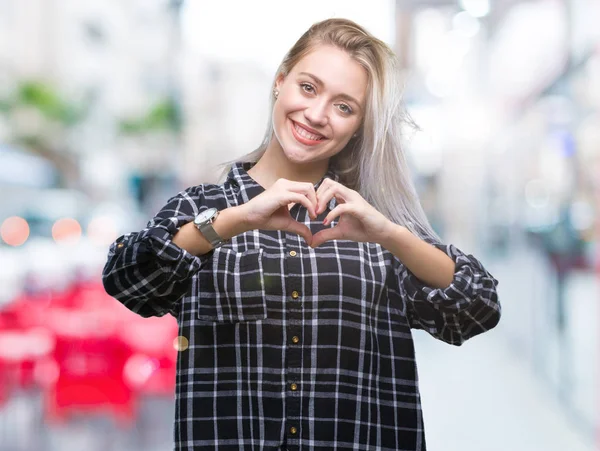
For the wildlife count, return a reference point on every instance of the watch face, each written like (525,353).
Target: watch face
(205,216)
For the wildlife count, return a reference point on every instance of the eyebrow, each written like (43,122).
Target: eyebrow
(320,82)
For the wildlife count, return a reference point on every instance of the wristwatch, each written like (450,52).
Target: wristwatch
(203,222)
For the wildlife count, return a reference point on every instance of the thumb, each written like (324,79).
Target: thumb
(324,235)
(300,229)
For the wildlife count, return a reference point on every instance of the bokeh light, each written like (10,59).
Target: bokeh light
(14,231)
(66,230)
(102,230)
(180,343)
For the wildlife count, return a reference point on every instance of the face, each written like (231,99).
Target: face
(320,105)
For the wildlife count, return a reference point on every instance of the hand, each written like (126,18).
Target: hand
(359,221)
(269,210)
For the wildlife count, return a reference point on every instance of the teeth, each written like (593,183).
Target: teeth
(306,134)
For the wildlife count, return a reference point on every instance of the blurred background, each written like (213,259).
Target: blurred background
(110,107)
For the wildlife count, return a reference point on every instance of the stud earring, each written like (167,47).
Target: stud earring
(275,93)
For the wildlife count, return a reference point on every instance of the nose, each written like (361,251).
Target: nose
(316,113)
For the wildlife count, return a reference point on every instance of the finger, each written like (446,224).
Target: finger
(337,211)
(302,199)
(331,233)
(335,189)
(323,199)
(300,229)
(309,192)
(322,189)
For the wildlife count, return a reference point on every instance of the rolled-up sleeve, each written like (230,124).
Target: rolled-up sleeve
(467,307)
(145,270)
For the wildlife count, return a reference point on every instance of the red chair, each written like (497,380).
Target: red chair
(5,383)
(80,294)
(20,352)
(90,358)
(151,368)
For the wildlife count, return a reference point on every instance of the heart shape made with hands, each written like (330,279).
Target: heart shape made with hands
(358,220)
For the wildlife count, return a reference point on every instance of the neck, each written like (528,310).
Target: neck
(274,165)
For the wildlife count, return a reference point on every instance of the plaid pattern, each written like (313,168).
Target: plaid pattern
(292,347)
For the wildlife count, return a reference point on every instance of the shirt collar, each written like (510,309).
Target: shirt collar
(238,174)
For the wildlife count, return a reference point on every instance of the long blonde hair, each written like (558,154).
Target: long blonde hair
(374,163)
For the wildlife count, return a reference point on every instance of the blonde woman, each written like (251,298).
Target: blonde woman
(298,279)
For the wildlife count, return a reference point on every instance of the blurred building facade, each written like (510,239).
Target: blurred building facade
(226,106)
(507,97)
(118,63)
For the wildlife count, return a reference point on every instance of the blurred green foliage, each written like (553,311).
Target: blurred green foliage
(44,98)
(49,138)
(49,103)
(163,116)
(4,106)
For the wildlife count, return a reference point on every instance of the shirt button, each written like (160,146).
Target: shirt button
(295,294)
(295,339)
(293,253)
(293,387)
(293,430)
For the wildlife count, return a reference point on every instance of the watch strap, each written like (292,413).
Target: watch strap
(209,232)
(211,235)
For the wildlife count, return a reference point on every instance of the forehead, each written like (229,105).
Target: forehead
(336,69)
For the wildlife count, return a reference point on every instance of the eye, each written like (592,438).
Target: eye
(307,87)
(345,108)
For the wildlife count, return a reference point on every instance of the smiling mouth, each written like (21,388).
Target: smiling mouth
(304,136)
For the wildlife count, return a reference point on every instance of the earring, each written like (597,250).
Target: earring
(275,93)
(355,135)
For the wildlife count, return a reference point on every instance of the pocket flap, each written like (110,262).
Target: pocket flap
(231,289)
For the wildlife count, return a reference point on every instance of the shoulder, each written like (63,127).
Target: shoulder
(190,194)
(199,191)
(202,195)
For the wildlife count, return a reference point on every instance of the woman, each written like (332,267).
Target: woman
(296,281)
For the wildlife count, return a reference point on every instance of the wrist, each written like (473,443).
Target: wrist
(390,234)
(230,222)
(242,217)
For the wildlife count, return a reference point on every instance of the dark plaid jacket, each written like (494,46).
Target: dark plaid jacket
(291,347)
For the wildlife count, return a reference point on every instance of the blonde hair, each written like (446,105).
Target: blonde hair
(373,163)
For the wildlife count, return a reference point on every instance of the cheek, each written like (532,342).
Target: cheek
(282,106)
(278,114)
(345,128)
(292,100)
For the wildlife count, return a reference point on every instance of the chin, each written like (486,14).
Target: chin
(297,155)
(295,151)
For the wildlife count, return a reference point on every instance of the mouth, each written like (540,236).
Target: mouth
(303,136)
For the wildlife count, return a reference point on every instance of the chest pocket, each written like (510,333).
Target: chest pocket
(352,270)
(231,287)
(352,280)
